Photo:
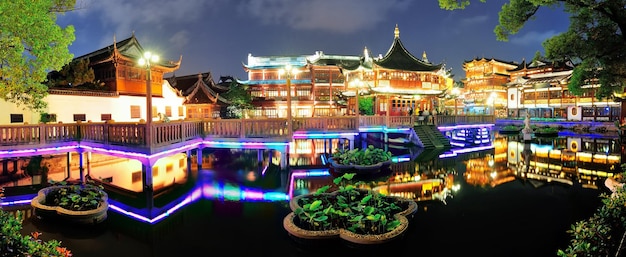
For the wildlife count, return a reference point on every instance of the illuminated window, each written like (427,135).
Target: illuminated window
(168,111)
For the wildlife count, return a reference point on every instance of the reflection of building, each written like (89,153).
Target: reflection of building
(584,161)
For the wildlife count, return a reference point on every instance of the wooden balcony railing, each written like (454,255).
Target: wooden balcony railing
(132,134)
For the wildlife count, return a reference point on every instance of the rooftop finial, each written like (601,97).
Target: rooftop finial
(396,32)
(424,57)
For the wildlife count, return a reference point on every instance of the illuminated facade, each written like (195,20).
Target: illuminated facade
(202,94)
(399,81)
(540,88)
(316,84)
(484,89)
(325,85)
(124,96)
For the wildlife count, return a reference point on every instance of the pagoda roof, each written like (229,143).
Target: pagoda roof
(197,89)
(539,64)
(548,78)
(490,60)
(348,62)
(129,49)
(399,58)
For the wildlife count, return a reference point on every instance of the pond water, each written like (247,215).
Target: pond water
(509,199)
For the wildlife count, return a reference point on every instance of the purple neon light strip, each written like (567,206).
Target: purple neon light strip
(446,128)
(42,150)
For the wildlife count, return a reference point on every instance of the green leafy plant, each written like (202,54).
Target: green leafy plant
(360,211)
(75,197)
(367,156)
(13,243)
(603,234)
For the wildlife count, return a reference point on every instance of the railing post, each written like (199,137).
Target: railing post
(42,133)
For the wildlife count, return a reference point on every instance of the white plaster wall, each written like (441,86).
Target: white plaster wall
(515,103)
(65,106)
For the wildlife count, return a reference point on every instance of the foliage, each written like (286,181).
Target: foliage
(360,211)
(239,99)
(76,197)
(368,156)
(594,40)
(603,233)
(74,74)
(47,117)
(366,105)
(511,128)
(546,130)
(13,243)
(31,44)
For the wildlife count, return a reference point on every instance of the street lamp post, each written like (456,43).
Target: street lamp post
(288,71)
(147,60)
(456,93)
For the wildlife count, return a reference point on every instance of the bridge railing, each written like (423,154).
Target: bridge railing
(133,133)
(325,123)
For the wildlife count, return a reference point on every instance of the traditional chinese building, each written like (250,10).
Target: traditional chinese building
(399,81)
(202,94)
(541,89)
(123,97)
(485,83)
(315,81)
(325,85)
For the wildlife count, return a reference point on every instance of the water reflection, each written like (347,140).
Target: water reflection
(529,192)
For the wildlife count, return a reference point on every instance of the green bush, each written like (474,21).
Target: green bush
(605,232)
(14,244)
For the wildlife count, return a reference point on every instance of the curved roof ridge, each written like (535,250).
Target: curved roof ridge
(398,57)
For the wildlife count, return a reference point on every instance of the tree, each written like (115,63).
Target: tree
(594,40)
(73,74)
(31,45)
(239,99)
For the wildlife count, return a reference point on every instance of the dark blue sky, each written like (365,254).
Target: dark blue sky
(218,35)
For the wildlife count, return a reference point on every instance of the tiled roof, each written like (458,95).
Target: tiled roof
(197,89)
(399,58)
(129,48)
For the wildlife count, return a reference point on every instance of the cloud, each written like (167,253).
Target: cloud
(341,16)
(179,39)
(474,21)
(122,17)
(532,38)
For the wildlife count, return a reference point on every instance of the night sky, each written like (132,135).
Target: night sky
(217,35)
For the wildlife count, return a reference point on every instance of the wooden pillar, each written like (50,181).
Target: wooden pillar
(148,189)
(88,164)
(199,158)
(259,156)
(81,170)
(16,166)
(188,163)
(5,167)
(68,162)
